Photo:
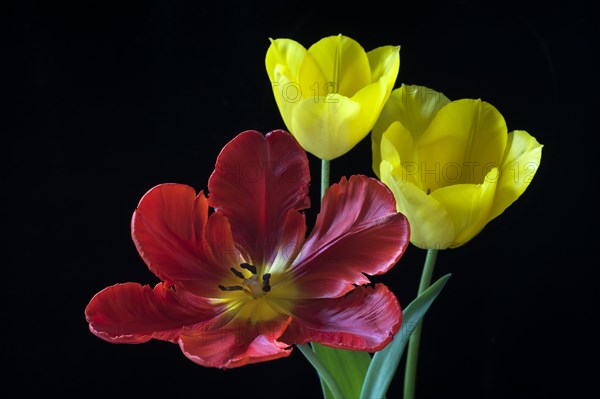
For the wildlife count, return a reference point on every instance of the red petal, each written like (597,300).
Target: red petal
(172,235)
(132,313)
(256,181)
(292,238)
(220,248)
(357,231)
(236,344)
(366,319)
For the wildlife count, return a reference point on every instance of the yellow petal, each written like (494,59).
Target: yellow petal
(398,148)
(288,54)
(324,128)
(384,63)
(313,83)
(342,61)
(430,224)
(389,151)
(468,136)
(415,107)
(287,94)
(283,60)
(371,99)
(290,60)
(521,161)
(468,205)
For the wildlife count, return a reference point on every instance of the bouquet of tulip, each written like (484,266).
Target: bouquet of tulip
(241,280)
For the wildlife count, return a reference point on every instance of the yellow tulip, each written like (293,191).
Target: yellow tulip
(330,95)
(452,165)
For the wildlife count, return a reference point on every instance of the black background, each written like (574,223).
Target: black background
(113,98)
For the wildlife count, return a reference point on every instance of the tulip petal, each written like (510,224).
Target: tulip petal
(366,319)
(414,107)
(384,62)
(467,135)
(292,239)
(287,54)
(283,61)
(468,205)
(236,344)
(371,99)
(287,93)
(132,313)
(168,228)
(357,232)
(342,62)
(521,161)
(430,225)
(398,148)
(396,136)
(256,181)
(222,253)
(324,128)
(311,81)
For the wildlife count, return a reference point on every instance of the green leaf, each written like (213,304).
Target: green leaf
(385,362)
(348,368)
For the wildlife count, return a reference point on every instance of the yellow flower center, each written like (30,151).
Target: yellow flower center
(257,296)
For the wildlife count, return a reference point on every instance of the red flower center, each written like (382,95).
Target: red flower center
(250,285)
(257,293)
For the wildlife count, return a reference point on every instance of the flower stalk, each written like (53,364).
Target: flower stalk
(410,375)
(325,376)
(325,169)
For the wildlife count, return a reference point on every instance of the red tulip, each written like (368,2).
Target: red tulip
(242,284)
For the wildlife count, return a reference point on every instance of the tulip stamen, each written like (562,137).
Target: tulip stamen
(266,286)
(231,287)
(249,267)
(250,285)
(238,273)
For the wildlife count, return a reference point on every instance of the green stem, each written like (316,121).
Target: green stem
(325,167)
(410,374)
(321,369)
(325,376)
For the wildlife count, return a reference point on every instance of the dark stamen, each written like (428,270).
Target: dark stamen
(266,287)
(237,273)
(248,267)
(231,288)
(428,191)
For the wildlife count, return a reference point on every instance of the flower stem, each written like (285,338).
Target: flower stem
(410,374)
(324,373)
(325,376)
(325,168)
